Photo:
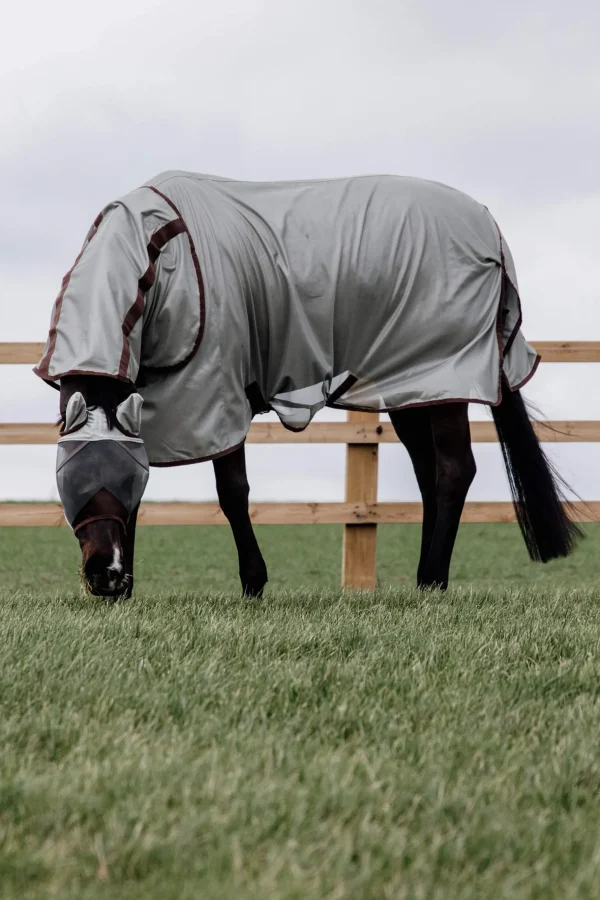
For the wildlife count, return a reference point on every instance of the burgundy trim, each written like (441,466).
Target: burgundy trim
(331,402)
(517,327)
(50,379)
(389,409)
(499,328)
(156,244)
(341,390)
(72,430)
(505,278)
(42,368)
(180,365)
(502,351)
(199,459)
(158,240)
(528,377)
(291,427)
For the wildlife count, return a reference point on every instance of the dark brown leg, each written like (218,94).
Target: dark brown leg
(233,491)
(413,427)
(438,440)
(455,470)
(129,552)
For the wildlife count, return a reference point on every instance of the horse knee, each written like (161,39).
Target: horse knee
(233,497)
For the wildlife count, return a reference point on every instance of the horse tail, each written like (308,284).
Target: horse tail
(536,487)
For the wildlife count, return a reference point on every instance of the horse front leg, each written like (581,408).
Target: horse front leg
(233,491)
(129,552)
(414,430)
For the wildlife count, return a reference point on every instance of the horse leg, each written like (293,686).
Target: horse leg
(455,470)
(233,491)
(413,427)
(129,552)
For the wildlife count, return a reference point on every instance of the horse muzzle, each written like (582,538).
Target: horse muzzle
(108,583)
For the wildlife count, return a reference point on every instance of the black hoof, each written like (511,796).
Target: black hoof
(253,590)
(432,585)
(254,586)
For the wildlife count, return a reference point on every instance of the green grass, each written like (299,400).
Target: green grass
(191,744)
(183,558)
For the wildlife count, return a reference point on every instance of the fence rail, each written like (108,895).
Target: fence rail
(17,353)
(362,434)
(350,514)
(373,432)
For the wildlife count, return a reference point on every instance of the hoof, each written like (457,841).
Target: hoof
(253,590)
(432,585)
(254,586)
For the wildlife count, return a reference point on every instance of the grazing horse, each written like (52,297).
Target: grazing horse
(199,302)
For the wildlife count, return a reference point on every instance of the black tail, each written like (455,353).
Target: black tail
(535,485)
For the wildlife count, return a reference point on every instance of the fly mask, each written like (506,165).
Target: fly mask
(92,456)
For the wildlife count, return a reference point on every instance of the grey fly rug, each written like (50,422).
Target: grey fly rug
(220,299)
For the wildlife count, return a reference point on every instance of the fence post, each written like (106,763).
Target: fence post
(360,541)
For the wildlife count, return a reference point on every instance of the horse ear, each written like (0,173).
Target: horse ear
(76,412)
(129,414)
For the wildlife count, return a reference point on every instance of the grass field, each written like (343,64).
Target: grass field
(190,744)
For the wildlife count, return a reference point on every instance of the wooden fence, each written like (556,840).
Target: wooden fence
(360,513)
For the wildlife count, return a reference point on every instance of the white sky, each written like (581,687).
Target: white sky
(501,100)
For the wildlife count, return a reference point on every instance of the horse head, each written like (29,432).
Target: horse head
(101,473)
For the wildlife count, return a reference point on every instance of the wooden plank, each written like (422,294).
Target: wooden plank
(21,353)
(360,541)
(559,431)
(366,430)
(373,432)
(260,513)
(29,514)
(550,351)
(28,433)
(568,351)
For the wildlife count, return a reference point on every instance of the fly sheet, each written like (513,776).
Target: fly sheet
(220,299)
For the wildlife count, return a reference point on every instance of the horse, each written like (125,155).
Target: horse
(198,302)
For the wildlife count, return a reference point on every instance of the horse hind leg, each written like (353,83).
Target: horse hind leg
(438,440)
(455,471)
(413,428)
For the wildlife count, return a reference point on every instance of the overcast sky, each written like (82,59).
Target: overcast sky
(501,100)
